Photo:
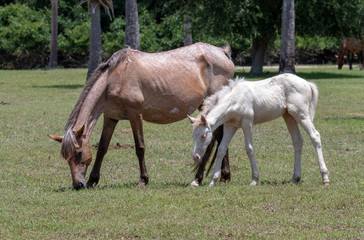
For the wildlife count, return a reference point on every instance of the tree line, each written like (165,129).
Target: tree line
(252,27)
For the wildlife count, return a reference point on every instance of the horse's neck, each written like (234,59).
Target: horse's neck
(92,107)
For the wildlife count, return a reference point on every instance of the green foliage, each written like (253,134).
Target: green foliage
(25,28)
(23,32)
(114,39)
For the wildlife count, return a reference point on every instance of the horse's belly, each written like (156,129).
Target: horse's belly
(167,115)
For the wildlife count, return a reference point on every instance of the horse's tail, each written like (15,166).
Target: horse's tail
(109,65)
(227,50)
(314,98)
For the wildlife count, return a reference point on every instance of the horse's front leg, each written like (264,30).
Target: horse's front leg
(107,132)
(225,167)
(249,148)
(136,122)
(221,152)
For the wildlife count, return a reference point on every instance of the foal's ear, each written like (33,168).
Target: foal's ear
(203,120)
(192,119)
(56,138)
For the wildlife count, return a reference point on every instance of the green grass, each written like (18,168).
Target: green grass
(37,201)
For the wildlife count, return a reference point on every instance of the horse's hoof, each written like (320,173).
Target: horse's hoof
(326,184)
(194,184)
(141,185)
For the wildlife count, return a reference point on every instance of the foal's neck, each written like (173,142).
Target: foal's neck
(218,113)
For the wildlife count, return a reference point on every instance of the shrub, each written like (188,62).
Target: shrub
(24,36)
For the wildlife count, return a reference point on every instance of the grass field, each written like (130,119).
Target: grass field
(37,201)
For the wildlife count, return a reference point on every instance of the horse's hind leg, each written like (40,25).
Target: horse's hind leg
(136,122)
(307,124)
(221,152)
(297,142)
(225,168)
(107,132)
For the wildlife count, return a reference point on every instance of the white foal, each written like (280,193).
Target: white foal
(243,104)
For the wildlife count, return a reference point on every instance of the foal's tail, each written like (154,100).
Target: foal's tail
(314,98)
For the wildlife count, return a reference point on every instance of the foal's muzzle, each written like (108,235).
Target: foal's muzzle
(196,157)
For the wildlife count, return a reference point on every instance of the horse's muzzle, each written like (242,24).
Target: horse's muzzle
(79,185)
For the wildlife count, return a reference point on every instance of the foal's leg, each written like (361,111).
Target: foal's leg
(136,122)
(307,124)
(249,148)
(107,132)
(297,141)
(221,152)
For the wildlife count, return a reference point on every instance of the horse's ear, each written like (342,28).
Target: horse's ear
(56,138)
(192,119)
(79,132)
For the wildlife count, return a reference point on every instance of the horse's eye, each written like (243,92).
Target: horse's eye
(79,154)
(203,136)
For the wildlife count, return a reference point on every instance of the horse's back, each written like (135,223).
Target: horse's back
(169,85)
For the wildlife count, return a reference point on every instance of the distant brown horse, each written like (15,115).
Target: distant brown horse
(132,85)
(350,46)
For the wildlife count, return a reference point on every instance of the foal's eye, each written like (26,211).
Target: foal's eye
(203,136)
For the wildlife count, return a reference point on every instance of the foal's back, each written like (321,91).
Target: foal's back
(268,99)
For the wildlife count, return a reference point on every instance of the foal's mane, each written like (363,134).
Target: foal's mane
(214,99)
(113,61)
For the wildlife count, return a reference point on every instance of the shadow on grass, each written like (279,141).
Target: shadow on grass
(69,86)
(127,185)
(305,75)
(277,183)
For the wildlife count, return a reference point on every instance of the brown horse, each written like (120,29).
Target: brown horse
(350,46)
(132,85)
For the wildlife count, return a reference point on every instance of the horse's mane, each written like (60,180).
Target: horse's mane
(113,61)
(215,98)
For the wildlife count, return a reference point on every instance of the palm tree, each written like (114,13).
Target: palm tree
(132,24)
(54,35)
(95,30)
(287,56)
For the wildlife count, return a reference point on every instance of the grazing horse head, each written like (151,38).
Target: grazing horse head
(202,136)
(77,153)
(340,60)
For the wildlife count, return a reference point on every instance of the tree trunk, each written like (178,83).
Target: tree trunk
(187,30)
(95,38)
(132,24)
(260,45)
(287,56)
(54,35)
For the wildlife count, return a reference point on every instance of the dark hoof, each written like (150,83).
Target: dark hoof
(92,182)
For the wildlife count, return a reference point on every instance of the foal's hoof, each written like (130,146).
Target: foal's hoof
(194,183)
(326,184)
